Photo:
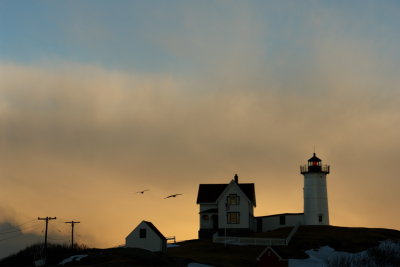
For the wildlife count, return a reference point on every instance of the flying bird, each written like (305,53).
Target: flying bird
(142,192)
(174,195)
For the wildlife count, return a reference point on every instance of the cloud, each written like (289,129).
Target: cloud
(78,142)
(18,230)
(15,236)
(12,239)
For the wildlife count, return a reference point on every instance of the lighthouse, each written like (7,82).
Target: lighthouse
(315,192)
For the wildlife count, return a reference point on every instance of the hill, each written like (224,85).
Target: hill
(94,257)
(307,237)
(204,251)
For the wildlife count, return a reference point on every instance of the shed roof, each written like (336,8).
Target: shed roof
(209,211)
(152,227)
(209,193)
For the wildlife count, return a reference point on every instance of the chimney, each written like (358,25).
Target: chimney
(236,178)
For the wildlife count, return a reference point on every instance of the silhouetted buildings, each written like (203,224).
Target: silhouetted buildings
(228,208)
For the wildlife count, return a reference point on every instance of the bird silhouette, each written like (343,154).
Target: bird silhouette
(174,195)
(142,192)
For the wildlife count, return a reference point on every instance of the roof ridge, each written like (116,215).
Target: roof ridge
(209,193)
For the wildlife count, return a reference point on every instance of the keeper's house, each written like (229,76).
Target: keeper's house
(229,207)
(226,206)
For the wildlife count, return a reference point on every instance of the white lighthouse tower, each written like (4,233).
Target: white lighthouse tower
(315,192)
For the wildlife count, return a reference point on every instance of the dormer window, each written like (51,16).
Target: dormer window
(233,199)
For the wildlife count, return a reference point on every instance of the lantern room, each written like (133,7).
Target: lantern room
(314,165)
(314,161)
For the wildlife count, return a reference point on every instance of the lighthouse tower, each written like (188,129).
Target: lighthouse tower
(315,192)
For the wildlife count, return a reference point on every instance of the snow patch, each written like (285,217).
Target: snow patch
(172,245)
(321,257)
(73,258)
(387,253)
(194,264)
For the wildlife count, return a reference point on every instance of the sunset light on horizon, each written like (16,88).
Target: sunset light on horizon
(109,107)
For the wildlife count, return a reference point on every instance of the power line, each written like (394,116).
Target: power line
(11,237)
(60,220)
(72,232)
(56,239)
(20,234)
(19,229)
(47,219)
(15,226)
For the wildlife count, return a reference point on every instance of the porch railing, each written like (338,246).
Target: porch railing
(250,241)
(256,241)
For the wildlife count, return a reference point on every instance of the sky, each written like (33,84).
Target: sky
(101,99)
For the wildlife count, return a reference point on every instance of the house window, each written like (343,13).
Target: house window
(142,233)
(206,217)
(282,220)
(233,199)
(320,218)
(233,217)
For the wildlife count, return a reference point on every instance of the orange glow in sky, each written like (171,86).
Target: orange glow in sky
(94,109)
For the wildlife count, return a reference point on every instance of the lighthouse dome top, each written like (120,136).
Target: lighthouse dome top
(314,165)
(314,159)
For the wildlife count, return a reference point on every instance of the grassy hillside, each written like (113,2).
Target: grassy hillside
(307,237)
(204,251)
(95,257)
(27,256)
(207,252)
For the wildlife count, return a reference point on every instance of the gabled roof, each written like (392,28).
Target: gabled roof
(284,253)
(155,230)
(209,193)
(273,251)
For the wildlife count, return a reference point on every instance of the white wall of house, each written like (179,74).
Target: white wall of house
(151,242)
(244,208)
(274,222)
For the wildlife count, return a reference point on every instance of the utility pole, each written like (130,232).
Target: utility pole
(72,232)
(47,219)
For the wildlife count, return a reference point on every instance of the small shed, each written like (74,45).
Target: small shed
(146,236)
(269,257)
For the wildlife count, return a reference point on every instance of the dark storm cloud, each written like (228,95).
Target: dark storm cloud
(12,239)
(18,231)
